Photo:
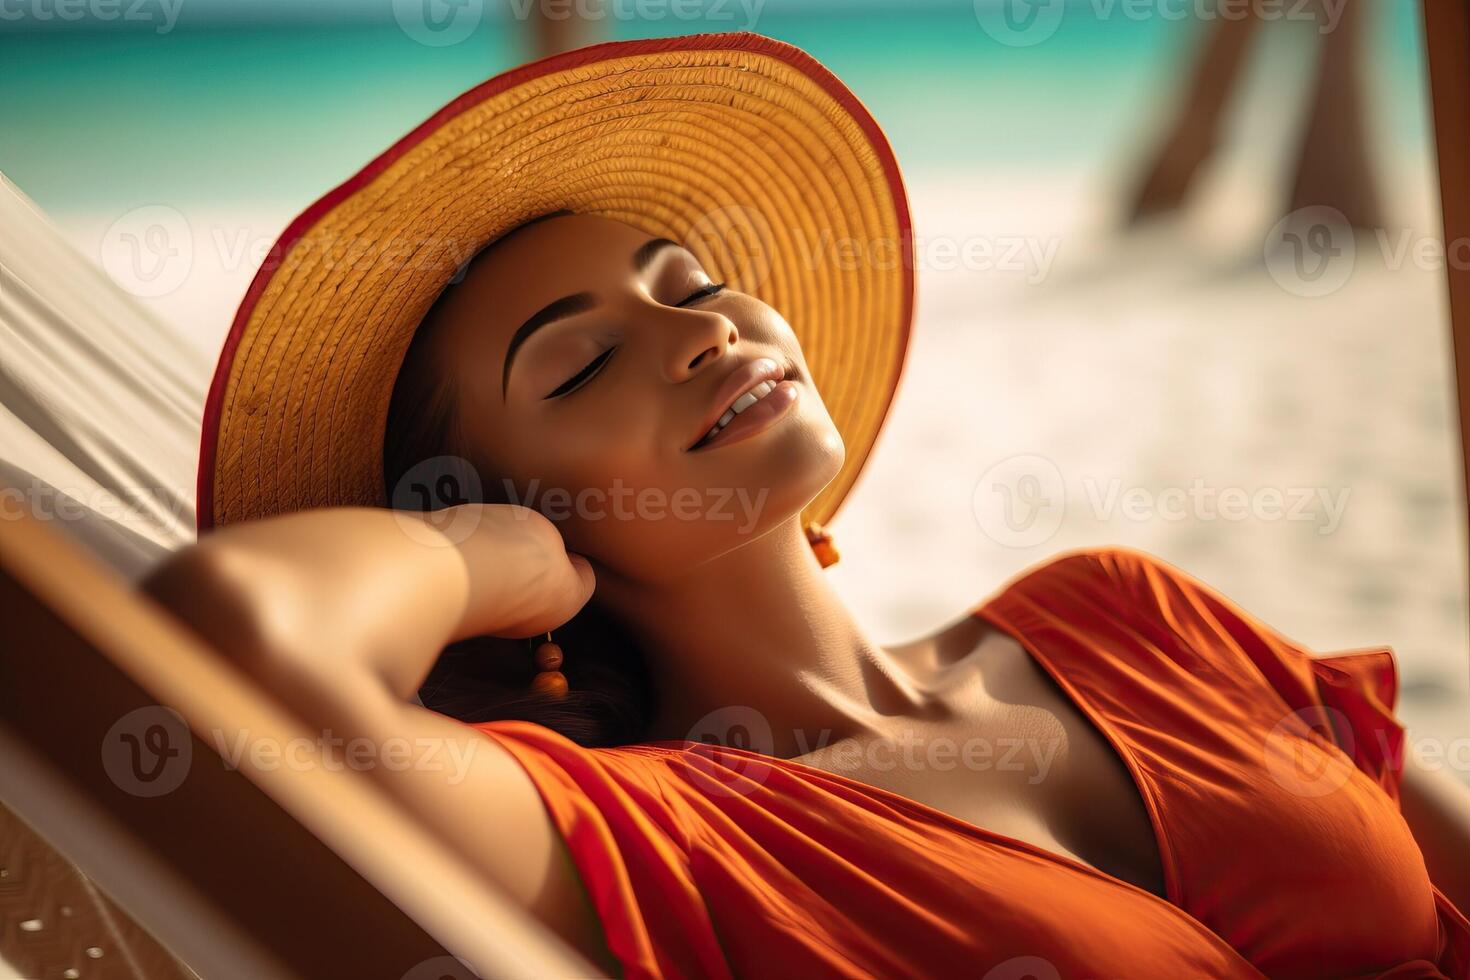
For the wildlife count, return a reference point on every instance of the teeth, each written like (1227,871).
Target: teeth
(745,401)
(741,404)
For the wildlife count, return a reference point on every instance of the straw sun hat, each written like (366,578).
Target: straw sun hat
(742,148)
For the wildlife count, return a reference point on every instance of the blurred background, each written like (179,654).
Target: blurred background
(1240,363)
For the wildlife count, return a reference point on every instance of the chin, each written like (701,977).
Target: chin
(787,471)
(744,490)
(760,484)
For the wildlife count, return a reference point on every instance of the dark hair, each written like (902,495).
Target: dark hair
(486,678)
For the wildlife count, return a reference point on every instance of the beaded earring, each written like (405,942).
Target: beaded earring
(821,543)
(549,678)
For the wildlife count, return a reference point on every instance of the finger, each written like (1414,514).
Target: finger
(583,568)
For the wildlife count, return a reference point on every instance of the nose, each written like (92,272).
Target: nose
(692,339)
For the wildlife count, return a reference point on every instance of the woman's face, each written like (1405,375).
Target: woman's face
(592,361)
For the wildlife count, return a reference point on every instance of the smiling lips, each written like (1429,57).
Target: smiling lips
(751,398)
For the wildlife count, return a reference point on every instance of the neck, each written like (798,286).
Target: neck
(756,647)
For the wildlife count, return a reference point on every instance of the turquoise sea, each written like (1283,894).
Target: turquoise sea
(237,102)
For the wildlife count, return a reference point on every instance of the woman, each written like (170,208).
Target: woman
(612,416)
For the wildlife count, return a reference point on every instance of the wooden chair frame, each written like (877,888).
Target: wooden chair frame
(264,870)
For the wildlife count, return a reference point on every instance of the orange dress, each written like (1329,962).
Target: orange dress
(1270,776)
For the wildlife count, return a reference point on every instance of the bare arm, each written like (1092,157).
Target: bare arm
(377,589)
(1436,804)
(342,612)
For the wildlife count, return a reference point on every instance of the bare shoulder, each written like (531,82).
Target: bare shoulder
(942,648)
(958,637)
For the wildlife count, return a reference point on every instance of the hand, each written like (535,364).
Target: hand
(523,581)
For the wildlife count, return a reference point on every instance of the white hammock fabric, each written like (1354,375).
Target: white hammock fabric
(100,401)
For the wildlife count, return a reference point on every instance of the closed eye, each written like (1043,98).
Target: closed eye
(701,293)
(582,376)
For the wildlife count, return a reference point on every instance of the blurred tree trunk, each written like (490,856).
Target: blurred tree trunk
(559,25)
(1333,166)
(1196,127)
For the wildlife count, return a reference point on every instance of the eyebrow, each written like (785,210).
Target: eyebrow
(550,313)
(571,306)
(648,250)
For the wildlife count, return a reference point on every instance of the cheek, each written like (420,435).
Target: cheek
(586,471)
(605,443)
(763,323)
